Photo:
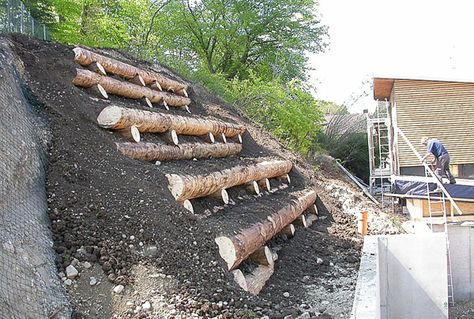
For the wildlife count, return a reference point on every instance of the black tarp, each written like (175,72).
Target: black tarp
(417,188)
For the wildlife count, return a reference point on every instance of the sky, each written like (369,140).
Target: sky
(391,38)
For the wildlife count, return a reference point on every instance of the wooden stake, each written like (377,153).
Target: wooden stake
(221,138)
(156,86)
(99,91)
(265,184)
(138,80)
(97,68)
(301,221)
(188,186)
(188,205)
(221,195)
(130,133)
(237,139)
(288,230)
(170,137)
(148,102)
(284,179)
(165,105)
(263,256)
(311,219)
(313,209)
(160,152)
(236,248)
(186,109)
(257,279)
(209,138)
(240,279)
(252,187)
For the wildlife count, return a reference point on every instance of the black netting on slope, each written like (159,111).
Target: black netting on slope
(29,285)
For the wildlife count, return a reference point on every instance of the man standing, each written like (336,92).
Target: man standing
(434,146)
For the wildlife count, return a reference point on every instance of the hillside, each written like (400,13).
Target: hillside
(118,214)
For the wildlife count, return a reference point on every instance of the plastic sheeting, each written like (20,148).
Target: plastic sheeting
(417,188)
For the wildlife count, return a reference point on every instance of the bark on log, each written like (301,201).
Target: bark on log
(235,249)
(188,186)
(86,78)
(99,91)
(131,133)
(256,280)
(158,152)
(85,58)
(263,256)
(115,117)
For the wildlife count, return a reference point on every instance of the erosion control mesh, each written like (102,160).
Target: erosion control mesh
(29,286)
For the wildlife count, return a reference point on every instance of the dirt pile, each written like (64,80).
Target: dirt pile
(118,214)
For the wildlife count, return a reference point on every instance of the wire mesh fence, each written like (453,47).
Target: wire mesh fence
(29,284)
(15,17)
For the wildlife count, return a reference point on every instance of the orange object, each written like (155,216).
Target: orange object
(362,222)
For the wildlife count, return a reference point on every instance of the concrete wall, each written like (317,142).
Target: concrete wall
(412,277)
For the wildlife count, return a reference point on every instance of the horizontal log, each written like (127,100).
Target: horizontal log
(85,58)
(236,248)
(87,79)
(193,186)
(115,117)
(159,152)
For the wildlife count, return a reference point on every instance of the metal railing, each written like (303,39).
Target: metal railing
(15,17)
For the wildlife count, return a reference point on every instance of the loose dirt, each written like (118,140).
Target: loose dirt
(119,215)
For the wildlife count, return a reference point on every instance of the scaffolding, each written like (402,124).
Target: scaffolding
(380,153)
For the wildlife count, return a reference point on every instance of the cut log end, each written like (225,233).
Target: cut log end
(221,195)
(221,138)
(265,184)
(301,221)
(176,184)
(100,91)
(263,256)
(97,68)
(170,137)
(188,205)
(148,102)
(284,179)
(209,138)
(109,116)
(165,105)
(138,80)
(313,209)
(252,187)
(131,133)
(227,250)
(237,138)
(239,278)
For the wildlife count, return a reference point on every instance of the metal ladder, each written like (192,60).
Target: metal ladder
(442,200)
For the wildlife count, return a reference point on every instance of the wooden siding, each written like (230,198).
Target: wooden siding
(444,110)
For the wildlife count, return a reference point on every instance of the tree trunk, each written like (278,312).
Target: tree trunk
(189,186)
(115,117)
(159,152)
(85,58)
(235,249)
(86,78)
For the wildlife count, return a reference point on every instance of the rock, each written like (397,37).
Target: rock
(118,289)
(157,163)
(68,282)
(150,251)
(61,275)
(265,317)
(319,261)
(146,306)
(325,302)
(286,294)
(92,281)
(304,315)
(87,265)
(71,272)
